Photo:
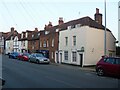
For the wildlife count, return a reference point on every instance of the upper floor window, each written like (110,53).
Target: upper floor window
(38,34)
(47,32)
(47,43)
(72,26)
(69,27)
(40,43)
(74,40)
(44,43)
(22,35)
(77,25)
(32,35)
(26,34)
(66,41)
(52,42)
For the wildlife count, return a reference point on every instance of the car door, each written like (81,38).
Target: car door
(110,66)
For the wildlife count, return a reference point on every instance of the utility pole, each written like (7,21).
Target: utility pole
(105,31)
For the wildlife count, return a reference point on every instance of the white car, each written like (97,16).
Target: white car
(38,58)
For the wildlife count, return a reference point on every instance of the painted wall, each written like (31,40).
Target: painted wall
(91,39)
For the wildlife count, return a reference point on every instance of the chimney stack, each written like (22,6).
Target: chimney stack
(12,29)
(98,16)
(50,24)
(60,21)
(36,29)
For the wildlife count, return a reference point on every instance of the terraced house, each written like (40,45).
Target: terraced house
(78,42)
(12,42)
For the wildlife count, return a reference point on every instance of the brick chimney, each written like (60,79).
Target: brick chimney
(50,24)
(60,21)
(12,29)
(98,16)
(36,30)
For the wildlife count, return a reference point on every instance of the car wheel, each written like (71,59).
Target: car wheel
(100,72)
(37,61)
(29,60)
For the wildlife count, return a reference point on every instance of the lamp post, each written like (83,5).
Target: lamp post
(105,30)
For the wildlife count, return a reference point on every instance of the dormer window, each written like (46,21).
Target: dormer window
(57,30)
(78,25)
(47,32)
(69,27)
(73,26)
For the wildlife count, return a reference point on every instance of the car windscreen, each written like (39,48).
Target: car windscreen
(39,55)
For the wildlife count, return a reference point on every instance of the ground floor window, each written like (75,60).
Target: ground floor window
(66,55)
(74,56)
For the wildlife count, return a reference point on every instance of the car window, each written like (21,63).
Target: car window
(39,55)
(117,61)
(110,60)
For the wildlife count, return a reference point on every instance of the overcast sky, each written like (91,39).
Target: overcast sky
(28,14)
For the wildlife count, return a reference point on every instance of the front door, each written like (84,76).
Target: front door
(81,59)
(60,57)
(57,58)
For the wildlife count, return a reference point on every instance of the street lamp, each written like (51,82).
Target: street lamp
(105,30)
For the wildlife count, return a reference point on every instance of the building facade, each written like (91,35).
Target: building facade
(82,42)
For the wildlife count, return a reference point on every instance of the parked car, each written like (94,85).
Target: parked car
(108,66)
(38,58)
(13,55)
(24,56)
(2,81)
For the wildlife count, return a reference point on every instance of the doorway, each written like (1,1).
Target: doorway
(81,59)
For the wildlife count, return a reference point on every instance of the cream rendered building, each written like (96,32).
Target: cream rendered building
(82,42)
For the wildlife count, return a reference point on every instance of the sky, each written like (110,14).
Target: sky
(28,14)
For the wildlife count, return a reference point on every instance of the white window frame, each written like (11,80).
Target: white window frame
(74,41)
(66,41)
(52,42)
(66,55)
(74,56)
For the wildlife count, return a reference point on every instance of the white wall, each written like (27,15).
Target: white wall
(80,34)
(9,46)
(91,39)
(95,45)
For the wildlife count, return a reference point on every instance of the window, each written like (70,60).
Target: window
(40,43)
(74,56)
(22,35)
(66,55)
(47,32)
(38,34)
(77,25)
(26,34)
(69,27)
(73,26)
(66,41)
(74,40)
(44,43)
(32,35)
(52,42)
(52,55)
(47,43)
(117,61)
(110,60)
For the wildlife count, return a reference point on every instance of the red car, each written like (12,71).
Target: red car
(24,56)
(108,66)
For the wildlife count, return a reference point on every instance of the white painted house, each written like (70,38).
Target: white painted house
(12,42)
(82,42)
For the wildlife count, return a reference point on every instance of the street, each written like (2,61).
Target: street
(22,74)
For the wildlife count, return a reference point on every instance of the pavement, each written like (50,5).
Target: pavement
(85,68)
